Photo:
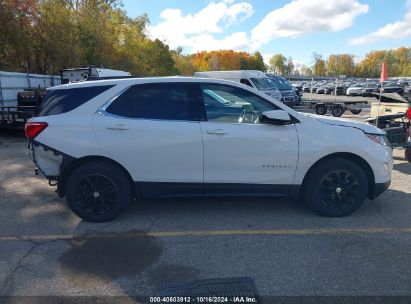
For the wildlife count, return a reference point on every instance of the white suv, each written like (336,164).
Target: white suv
(104,143)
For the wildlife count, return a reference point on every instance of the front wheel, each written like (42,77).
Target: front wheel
(336,187)
(337,111)
(98,191)
(321,109)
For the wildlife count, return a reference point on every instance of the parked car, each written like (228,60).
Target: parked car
(340,90)
(315,87)
(104,142)
(288,94)
(355,89)
(392,87)
(307,88)
(406,84)
(370,88)
(329,89)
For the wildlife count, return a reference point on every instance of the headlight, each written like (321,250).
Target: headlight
(379,139)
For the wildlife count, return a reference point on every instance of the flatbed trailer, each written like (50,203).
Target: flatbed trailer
(337,108)
(12,117)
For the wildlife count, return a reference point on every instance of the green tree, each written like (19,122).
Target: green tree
(258,62)
(278,64)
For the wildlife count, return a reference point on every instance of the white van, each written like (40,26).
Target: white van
(253,78)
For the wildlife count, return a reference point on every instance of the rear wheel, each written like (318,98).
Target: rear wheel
(98,191)
(356,111)
(321,109)
(336,187)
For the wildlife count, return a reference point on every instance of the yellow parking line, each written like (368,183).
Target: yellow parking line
(205,233)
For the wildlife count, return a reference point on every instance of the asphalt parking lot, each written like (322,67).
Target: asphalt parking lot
(286,249)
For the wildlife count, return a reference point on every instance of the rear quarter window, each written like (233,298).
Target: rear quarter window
(65,100)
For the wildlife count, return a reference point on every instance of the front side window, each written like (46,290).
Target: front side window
(166,101)
(233,105)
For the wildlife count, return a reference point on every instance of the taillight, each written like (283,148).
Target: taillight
(33,129)
(409,113)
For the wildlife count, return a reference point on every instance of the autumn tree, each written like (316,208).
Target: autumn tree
(319,67)
(47,35)
(225,60)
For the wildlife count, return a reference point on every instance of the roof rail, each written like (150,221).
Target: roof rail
(108,78)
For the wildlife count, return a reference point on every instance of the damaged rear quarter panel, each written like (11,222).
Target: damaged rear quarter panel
(47,160)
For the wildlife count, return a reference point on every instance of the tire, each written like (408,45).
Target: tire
(321,109)
(98,191)
(337,111)
(324,187)
(407,154)
(356,111)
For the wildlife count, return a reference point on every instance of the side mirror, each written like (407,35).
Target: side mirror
(277,117)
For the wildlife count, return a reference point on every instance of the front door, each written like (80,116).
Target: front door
(242,155)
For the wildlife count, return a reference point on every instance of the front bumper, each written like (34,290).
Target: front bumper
(379,188)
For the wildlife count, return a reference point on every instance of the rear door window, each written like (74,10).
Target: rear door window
(165,101)
(65,100)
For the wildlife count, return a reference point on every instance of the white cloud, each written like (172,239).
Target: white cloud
(195,30)
(267,57)
(396,30)
(301,17)
(206,42)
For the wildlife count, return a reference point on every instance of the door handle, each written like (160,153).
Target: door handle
(117,127)
(216,132)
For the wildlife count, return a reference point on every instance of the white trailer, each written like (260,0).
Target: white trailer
(90,73)
(20,94)
(12,83)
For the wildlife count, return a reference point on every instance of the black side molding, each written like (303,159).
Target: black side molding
(166,189)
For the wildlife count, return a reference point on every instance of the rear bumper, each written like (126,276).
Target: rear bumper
(379,188)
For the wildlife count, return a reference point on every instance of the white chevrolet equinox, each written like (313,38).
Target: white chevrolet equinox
(106,142)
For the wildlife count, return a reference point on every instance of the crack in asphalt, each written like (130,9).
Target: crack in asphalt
(18,265)
(35,245)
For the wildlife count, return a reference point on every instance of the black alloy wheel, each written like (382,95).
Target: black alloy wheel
(335,187)
(98,191)
(96,194)
(338,190)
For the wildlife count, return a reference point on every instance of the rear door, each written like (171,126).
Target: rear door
(153,131)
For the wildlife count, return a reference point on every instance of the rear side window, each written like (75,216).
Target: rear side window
(62,101)
(166,101)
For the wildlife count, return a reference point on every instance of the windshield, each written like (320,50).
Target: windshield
(283,84)
(389,84)
(264,84)
(371,85)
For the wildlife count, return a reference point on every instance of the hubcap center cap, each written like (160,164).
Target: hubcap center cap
(338,190)
(96,194)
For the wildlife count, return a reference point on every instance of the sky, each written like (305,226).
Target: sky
(295,28)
